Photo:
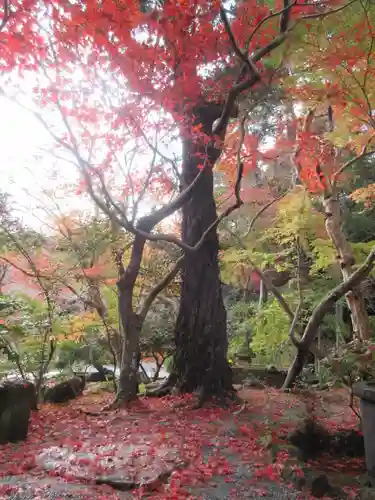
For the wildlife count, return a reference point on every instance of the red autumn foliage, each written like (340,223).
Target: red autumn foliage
(160,56)
(165,58)
(167,422)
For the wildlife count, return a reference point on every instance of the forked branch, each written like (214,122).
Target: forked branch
(159,287)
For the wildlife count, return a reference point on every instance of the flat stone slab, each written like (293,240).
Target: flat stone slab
(124,467)
(365,391)
(29,487)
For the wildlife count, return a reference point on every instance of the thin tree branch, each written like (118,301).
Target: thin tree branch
(261,211)
(334,295)
(160,287)
(328,13)
(241,55)
(254,77)
(270,286)
(293,326)
(284,20)
(351,162)
(37,274)
(305,344)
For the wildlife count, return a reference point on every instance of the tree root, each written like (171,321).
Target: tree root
(120,402)
(243,408)
(114,405)
(159,392)
(222,399)
(92,413)
(173,386)
(164,389)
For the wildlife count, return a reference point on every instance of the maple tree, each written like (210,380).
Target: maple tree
(156,63)
(185,67)
(89,247)
(40,315)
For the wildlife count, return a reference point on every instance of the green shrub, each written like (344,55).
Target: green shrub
(270,341)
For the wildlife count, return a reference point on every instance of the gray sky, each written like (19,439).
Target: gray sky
(35,179)
(26,172)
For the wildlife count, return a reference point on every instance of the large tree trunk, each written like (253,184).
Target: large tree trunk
(355,300)
(200,360)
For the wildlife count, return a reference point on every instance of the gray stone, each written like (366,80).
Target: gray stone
(319,486)
(123,467)
(252,381)
(366,392)
(366,494)
(16,401)
(32,487)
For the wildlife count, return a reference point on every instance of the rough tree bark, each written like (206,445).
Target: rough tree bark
(355,300)
(201,337)
(200,360)
(131,320)
(131,323)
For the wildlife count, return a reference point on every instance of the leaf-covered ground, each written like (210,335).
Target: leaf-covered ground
(223,454)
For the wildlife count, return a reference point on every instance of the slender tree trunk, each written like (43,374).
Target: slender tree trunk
(263,295)
(131,323)
(200,360)
(131,354)
(354,298)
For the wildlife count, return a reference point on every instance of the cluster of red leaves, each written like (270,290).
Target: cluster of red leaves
(315,161)
(170,422)
(169,57)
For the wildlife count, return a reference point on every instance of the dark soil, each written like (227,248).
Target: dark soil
(314,440)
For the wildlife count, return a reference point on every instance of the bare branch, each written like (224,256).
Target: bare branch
(240,87)
(273,44)
(293,326)
(155,149)
(241,55)
(351,162)
(38,275)
(250,63)
(329,12)
(283,303)
(284,14)
(332,297)
(306,342)
(145,224)
(261,211)
(160,287)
